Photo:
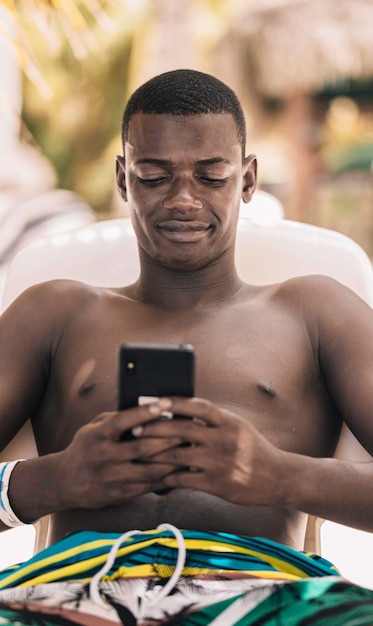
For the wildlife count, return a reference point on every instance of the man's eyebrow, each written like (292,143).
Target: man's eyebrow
(212,161)
(161,162)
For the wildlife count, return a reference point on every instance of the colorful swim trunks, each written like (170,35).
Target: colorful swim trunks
(184,578)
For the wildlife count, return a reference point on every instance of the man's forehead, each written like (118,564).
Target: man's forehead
(215,131)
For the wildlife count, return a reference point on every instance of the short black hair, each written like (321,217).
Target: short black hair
(185,92)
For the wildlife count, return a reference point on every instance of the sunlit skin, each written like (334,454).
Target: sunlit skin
(277,370)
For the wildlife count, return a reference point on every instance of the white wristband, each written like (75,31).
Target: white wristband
(7,515)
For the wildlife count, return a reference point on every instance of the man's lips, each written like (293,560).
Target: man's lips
(183,230)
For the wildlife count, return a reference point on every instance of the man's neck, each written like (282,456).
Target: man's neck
(175,289)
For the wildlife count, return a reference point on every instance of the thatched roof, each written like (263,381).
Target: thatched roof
(285,47)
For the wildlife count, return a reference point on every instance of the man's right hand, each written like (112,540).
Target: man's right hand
(96,470)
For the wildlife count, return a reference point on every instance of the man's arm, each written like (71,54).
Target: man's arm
(345,347)
(30,331)
(25,341)
(342,490)
(24,361)
(341,330)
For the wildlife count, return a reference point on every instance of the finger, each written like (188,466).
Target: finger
(197,408)
(187,430)
(147,448)
(117,452)
(181,479)
(151,472)
(190,456)
(113,425)
(141,472)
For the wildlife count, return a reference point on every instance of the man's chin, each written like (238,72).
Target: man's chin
(185,266)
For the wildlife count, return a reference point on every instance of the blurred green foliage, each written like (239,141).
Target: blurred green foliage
(77,128)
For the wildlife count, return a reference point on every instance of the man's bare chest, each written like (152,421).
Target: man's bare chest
(236,346)
(257,365)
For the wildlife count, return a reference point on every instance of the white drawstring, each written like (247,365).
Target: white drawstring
(181,556)
(94,593)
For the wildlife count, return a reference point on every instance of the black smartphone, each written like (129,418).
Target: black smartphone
(150,371)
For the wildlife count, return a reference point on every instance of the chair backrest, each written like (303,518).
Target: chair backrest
(262,207)
(105,253)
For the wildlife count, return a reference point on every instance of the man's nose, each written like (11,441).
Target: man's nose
(182,195)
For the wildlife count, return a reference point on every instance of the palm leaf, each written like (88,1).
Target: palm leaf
(58,23)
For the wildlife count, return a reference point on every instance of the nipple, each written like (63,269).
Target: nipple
(86,388)
(266,390)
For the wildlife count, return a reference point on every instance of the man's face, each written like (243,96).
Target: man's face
(183,179)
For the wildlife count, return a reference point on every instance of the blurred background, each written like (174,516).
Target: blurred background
(302,68)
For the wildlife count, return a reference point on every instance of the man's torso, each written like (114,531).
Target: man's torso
(255,356)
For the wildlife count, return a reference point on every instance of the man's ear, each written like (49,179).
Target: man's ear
(249,177)
(121,176)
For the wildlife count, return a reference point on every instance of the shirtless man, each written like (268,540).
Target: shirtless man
(278,367)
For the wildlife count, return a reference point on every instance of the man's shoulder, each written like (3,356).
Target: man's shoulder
(319,298)
(312,294)
(298,289)
(58,296)
(62,287)
(312,285)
